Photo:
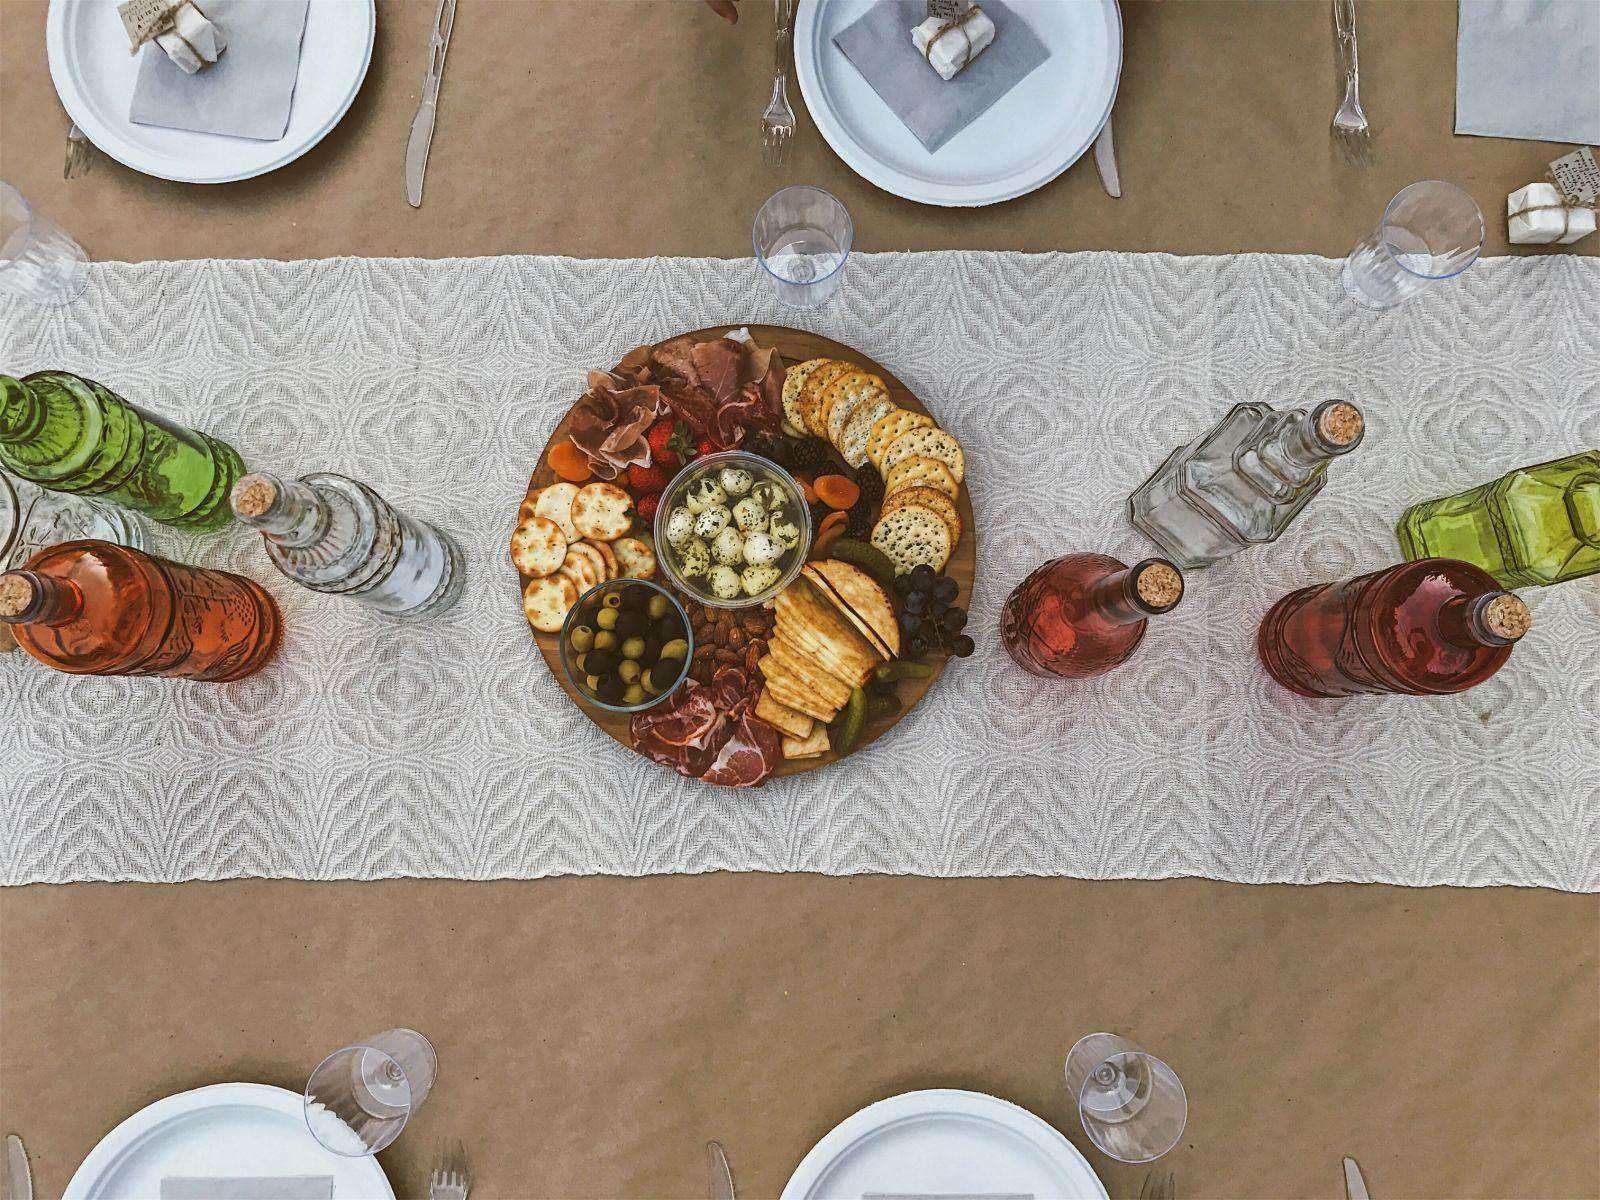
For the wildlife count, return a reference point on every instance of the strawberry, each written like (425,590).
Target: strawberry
(646,506)
(707,446)
(644,480)
(661,437)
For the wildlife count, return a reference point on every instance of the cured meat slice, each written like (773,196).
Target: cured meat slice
(748,756)
(718,366)
(677,357)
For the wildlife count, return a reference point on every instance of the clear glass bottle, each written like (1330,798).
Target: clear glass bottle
(1424,628)
(1534,525)
(1083,614)
(94,608)
(332,534)
(1242,482)
(70,434)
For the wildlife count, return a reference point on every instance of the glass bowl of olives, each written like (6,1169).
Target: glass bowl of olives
(732,529)
(626,645)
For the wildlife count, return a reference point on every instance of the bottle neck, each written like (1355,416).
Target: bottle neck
(1492,619)
(21,414)
(1306,443)
(1146,589)
(29,598)
(289,513)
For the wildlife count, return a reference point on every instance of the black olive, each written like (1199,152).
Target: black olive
(611,689)
(601,662)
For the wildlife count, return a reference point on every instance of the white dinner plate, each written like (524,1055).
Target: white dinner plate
(1033,133)
(94,75)
(228,1129)
(944,1142)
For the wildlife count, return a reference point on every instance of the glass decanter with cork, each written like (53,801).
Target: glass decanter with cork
(95,608)
(70,434)
(331,534)
(1242,482)
(1083,614)
(1535,525)
(1425,628)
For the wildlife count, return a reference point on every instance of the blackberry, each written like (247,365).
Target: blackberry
(808,456)
(864,512)
(859,523)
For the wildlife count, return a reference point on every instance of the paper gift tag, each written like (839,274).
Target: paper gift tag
(143,19)
(1577,175)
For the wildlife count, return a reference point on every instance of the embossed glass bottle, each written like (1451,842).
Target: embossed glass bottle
(334,535)
(94,608)
(1534,525)
(1425,628)
(1241,483)
(1083,614)
(70,434)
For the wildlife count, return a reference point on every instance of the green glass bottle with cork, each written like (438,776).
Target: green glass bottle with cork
(71,434)
(1532,526)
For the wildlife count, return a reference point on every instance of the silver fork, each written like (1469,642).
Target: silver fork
(1159,1187)
(777,122)
(450,1179)
(1352,137)
(80,154)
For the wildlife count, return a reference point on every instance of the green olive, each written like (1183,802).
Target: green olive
(578,663)
(676,648)
(633,648)
(634,695)
(582,638)
(648,681)
(605,640)
(591,682)
(629,670)
(606,618)
(659,606)
(612,600)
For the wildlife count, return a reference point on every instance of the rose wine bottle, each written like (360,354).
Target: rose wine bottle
(332,534)
(70,434)
(1535,525)
(94,608)
(1425,628)
(1242,482)
(1085,613)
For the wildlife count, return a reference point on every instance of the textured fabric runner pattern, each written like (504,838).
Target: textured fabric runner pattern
(371,748)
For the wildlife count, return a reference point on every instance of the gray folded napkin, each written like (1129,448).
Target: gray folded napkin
(879,46)
(1529,69)
(266,1187)
(246,92)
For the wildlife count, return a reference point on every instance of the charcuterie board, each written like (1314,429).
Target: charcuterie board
(793,347)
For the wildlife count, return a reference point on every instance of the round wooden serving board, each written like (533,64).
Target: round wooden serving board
(795,345)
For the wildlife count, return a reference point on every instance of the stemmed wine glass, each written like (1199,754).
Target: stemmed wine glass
(1132,1105)
(359,1098)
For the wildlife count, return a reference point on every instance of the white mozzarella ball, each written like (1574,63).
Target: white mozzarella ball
(728,547)
(785,532)
(694,558)
(736,481)
(711,522)
(680,526)
(760,550)
(750,515)
(725,583)
(758,579)
(703,494)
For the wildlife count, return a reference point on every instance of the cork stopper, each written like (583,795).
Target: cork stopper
(253,495)
(1340,423)
(17,595)
(1506,617)
(1158,584)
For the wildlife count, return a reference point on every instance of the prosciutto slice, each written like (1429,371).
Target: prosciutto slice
(748,756)
(708,732)
(717,364)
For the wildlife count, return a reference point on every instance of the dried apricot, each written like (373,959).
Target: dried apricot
(567,461)
(837,491)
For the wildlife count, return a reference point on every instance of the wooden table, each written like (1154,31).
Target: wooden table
(593,1033)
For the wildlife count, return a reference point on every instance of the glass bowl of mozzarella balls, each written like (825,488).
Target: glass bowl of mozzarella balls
(732,529)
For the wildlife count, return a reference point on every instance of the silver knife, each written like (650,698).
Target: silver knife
(1355,1187)
(18,1179)
(721,1177)
(422,124)
(1105,160)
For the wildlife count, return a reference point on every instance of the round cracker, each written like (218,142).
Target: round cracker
(635,559)
(927,442)
(555,502)
(594,567)
(602,512)
(793,381)
(913,535)
(606,553)
(546,602)
(538,547)
(888,428)
(920,472)
(812,391)
(853,442)
(927,497)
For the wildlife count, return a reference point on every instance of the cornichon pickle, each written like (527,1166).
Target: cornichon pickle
(902,668)
(882,705)
(850,722)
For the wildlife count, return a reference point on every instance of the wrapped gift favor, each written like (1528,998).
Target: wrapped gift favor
(1539,214)
(951,44)
(179,27)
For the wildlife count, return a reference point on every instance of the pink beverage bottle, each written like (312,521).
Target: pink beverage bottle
(1085,613)
(1424,628)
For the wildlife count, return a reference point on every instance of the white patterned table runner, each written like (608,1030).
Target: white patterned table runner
(374,749)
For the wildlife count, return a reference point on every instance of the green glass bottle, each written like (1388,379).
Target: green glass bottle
(70,434)
(1535,525)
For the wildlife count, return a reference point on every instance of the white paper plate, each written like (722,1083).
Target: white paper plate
(1033,133)
(227,1129)
(944,1142)
(94,75)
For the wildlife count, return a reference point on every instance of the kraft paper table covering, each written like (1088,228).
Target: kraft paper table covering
(373,748)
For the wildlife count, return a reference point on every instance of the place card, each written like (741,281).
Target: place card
(1577,175)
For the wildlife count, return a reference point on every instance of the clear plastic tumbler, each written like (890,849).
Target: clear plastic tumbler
(1132,1105)
(359,1098)
(1431,231)
(802,238)
(38,261)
